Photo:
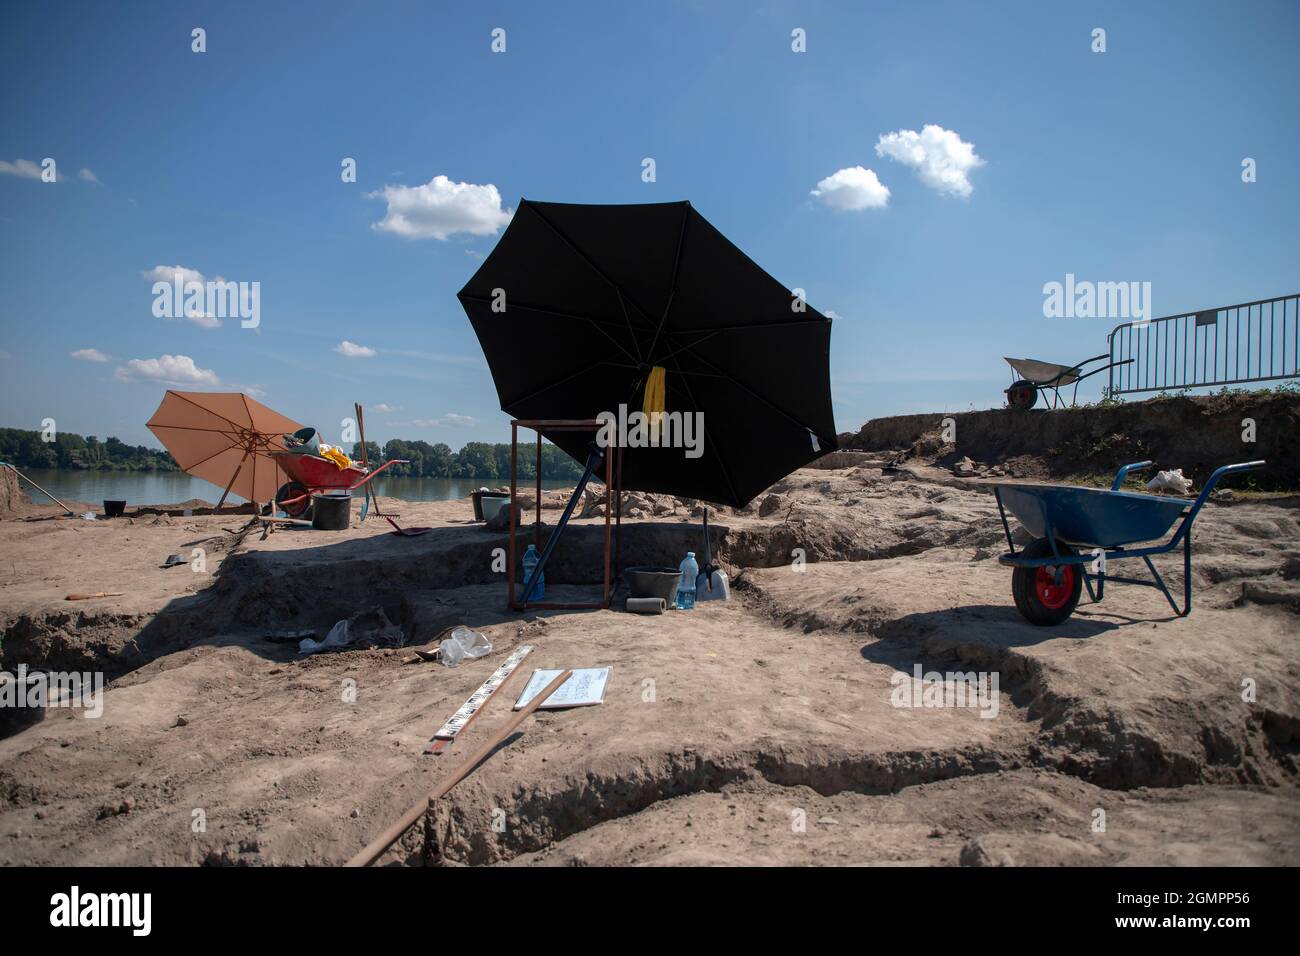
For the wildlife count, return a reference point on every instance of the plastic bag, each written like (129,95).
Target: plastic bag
(1170,481)
(464,643)
(336,638)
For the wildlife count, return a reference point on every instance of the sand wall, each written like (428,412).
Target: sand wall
(1196,434)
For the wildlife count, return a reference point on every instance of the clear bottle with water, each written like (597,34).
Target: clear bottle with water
(531,557)
(686,586)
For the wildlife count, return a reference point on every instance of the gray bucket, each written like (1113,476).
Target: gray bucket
(331,511)
(659,582)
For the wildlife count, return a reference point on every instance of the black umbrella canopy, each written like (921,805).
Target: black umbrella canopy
(588,298)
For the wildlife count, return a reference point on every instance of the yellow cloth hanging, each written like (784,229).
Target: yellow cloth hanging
(335,455)
(652,405)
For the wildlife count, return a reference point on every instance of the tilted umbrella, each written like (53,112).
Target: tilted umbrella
(225,438)
(577,304)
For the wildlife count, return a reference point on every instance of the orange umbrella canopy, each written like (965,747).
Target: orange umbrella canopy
(225,438)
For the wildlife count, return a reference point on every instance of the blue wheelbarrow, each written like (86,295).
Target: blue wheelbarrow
(1078,530)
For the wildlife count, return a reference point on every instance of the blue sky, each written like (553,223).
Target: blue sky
(1114,166)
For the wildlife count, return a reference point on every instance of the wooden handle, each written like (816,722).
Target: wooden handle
(376,847)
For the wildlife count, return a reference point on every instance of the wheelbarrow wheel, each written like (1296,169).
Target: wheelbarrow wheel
(1022,394)
(1040,597)
(287,493)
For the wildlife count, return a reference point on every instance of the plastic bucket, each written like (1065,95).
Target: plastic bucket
(114,509)
(331,511)
(491,503)
(310,442)
(643,582)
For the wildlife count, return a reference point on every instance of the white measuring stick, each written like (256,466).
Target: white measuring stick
(457,721)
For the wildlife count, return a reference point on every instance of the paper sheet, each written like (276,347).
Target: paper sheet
(585,688)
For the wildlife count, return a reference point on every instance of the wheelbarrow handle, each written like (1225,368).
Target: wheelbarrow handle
(1123,473)
(1209,487)
(1227,470)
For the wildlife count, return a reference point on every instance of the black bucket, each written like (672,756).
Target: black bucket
(331,512)
(114,509)
(649,581)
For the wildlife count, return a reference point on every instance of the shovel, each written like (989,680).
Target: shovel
(704,582)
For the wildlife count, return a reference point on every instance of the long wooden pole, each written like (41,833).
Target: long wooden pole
(376,847)
(37,487)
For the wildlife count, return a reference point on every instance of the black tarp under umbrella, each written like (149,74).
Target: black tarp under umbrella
(577,303)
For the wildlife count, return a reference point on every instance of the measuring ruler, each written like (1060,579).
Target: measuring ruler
(469,710)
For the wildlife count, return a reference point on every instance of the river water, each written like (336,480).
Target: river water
(170,487)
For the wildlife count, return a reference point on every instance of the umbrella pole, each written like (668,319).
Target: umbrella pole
(230,484)
(593,462)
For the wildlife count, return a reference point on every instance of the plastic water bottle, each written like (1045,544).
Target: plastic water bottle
(531,557)
(686,586)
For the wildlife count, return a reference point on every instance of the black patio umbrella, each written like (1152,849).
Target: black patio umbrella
(578,303)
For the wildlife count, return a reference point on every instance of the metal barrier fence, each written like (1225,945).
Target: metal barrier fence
(1251,342)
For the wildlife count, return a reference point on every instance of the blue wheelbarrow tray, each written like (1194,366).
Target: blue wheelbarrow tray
(1092,517)
(1050,573)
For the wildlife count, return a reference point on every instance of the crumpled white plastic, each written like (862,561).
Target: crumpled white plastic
(1170,481)
(336,638)
(463,643)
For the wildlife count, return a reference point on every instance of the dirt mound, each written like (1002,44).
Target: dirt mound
(14,502)
(764,729)
(1196,434)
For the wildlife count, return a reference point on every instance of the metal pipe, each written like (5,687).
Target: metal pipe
(594,459)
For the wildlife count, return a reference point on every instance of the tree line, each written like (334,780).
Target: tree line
(27,449)
(478,460)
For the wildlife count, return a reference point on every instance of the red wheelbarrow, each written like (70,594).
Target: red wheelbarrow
(309,474)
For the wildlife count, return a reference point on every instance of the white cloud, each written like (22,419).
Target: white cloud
(456,421)
(352,350)
(168,274)
(440,208)
(383,407)
(24,168)
(204,320)
(89,355)
(167,369)
(450,420)
(852,189)
(941,160)
(87,176)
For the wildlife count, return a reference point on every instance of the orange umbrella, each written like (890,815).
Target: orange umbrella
(225,438)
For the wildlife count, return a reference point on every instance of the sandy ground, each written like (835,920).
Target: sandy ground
(764,730)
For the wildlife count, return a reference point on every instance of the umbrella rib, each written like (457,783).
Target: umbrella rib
(547,388)
(747,327)
(726,475)
(672,289)
(596,323)
(187,428)
(587,259)
(686,348)
(234,424)
(679,371)
(555,312)
(212,456)
(628,319)
(735,381)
